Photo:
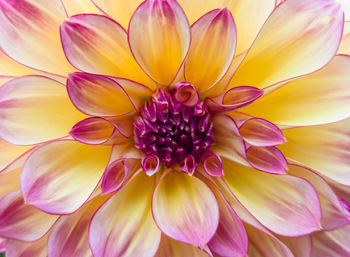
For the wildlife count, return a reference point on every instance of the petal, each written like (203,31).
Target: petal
(29,34)
(97,44)
(10,152)
(260,132)
(2,245)
(334,214)
(285,204)
(212,49)
(79,6)
(300,246)
(124,226)
(230,239)
(9,181)
(332,243)
(98,95)
(173,209)
(344,47)
(60,176)
(212,164)
(318,98)
(262,244)
(9,67)
(323,148)
(298,38)
(267,159)
(172,248)
(21,221)
(346,8)
(159,38)
(16,248)
(35,109)
(69,236)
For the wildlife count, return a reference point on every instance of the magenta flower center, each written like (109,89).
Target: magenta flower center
(175,126)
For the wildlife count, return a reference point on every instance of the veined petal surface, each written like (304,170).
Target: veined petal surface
(159,38)
(285,204)
(63,184)
(298,38)
(29,34)
(35,109)
(185,209)
(124,226)
(212,49)
(97,44)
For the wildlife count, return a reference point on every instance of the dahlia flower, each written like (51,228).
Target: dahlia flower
(175,128)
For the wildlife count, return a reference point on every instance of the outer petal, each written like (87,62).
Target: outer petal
(97,44)
(16,248)
(334,214)
(123,226)
(172,248)
(69,236)
(60,176)
(29,34)
(262,244)
(323,148)
(173,209)
(335,243)
(79,6)
(212,49)
(298,38)
(318,98)
(98,95)
(35,109)
(159,37)
(285,204)
(22,221)
(344,47)
(10,152)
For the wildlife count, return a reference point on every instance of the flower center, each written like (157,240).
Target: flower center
(174,127)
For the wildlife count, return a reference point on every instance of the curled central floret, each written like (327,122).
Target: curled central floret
(174,128)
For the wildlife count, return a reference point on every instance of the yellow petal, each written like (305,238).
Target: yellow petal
(10,152)
(74,7)
(9,67)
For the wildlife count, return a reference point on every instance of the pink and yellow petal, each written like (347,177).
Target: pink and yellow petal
(300,246)
(323,148)
(185,209)
(9,67)
(22,221)
(16,248)
(285,204)
(29,30)
(159,38)
(318,98)
(124,226)
(97,44)
(212,49)
(298,38)
(69,236)
(60,176)
(10,153)
(35,109)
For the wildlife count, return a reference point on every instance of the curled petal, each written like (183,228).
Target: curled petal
(16,248)
(60,176)
(34,109)
(119,173)
(151,164)
(234,98)
(260,132)
(69,236)
(267,159)
(98,95)
(28,30)
(159,38)
(332,243)
(212,164)
(318,98)
(212,49)
(97,44)
(189,164)
(173,209)
(124,226)
(285,204)
(298,38)
(21,221)
(186,94)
